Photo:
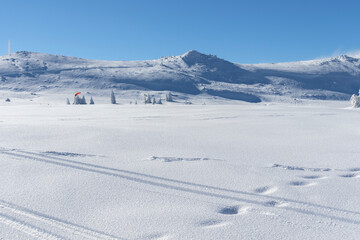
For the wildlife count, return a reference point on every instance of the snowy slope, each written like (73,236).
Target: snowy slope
(338,74)
(251,171)
(192,73)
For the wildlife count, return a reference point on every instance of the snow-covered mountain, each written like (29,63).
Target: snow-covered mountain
(192,73)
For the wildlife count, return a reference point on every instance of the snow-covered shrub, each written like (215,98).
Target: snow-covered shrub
(7,100)
(355,101)
(147,98)
(91,101)
(159,101)
(113,100)
(169,97)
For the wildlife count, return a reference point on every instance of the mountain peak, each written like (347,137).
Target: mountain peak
(345,58)
(23,53)
(192,57)
(193,54)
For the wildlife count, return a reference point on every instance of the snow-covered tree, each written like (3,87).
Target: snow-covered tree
(91,101)
(159,101)
(355,101)
(153,101)
(169,97)
(83,100)
(135,102)
(113,100)
(77,100)
(67,101)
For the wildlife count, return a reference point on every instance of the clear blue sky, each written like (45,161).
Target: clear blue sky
(250,31)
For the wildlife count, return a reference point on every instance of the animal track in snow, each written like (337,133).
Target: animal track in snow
(177,159)
(354,169)
(301,183)
(313,177)
(349,175)
(301,168)
(213,223)
(274,204)
(232,210)
(265,190)
(157,236)
(229,210)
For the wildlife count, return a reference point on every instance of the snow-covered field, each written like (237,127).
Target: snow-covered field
(244,171)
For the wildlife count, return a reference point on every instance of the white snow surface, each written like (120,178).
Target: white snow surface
(172,171)
(202,167)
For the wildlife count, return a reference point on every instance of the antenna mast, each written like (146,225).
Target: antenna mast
(9,48)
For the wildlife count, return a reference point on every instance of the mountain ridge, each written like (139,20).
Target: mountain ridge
(190,73)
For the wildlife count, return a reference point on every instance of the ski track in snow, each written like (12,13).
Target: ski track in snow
(28,221)
(28,229)
(68,154)
(260,198)
(32,223)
